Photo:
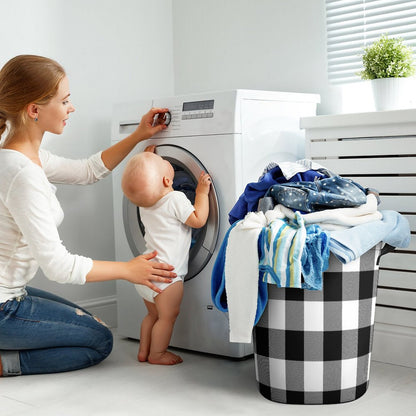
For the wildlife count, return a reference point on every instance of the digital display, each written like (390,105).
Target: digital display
(198,105)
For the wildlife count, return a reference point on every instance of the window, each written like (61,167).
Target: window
(354,24)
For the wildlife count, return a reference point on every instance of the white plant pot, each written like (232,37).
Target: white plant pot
(392,93)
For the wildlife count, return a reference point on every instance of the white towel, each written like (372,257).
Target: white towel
(241,271)
(290,169)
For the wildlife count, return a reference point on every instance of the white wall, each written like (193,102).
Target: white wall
(112,52)
(119,50)
(254,44)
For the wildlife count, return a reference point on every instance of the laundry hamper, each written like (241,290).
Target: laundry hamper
(314,347)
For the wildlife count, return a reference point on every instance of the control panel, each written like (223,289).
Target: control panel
(199,114)
(210,113)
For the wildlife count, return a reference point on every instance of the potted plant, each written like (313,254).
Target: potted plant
(387,63)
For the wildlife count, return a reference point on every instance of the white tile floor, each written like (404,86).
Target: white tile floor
(201,385)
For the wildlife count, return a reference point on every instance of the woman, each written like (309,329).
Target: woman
(39,332)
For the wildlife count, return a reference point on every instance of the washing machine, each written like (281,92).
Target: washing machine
(232,135)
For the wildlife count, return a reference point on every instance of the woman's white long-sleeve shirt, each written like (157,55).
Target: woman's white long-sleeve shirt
(30,214)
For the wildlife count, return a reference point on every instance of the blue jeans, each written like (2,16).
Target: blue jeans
(43,333)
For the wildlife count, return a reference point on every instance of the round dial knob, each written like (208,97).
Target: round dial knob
(162,118)
(167,117)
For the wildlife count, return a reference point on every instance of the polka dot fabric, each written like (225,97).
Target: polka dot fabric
(334,192)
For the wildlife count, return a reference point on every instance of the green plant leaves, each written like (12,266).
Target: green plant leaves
(387,58)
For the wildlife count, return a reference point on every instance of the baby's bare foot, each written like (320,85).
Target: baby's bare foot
(142,356)
(143,353)
(165,358)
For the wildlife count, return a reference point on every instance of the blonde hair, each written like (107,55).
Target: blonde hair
(26,79)
(142,181)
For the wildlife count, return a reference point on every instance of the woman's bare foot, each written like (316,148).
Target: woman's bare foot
(165,358)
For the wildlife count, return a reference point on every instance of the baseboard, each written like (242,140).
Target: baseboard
(394,344)
(105,308)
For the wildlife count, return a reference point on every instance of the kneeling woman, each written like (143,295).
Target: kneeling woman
(39,332)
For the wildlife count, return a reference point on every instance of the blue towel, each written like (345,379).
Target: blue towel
(290,251)
(349,244)
(315,257)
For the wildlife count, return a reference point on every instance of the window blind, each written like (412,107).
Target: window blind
(355,24)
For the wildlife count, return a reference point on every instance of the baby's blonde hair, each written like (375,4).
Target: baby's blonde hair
(142,181)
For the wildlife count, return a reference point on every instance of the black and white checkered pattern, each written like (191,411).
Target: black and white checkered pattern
(314,347)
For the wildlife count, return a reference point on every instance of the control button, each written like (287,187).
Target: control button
(162,118)
(167,118)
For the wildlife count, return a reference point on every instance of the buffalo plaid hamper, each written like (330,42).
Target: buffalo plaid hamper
(314,347)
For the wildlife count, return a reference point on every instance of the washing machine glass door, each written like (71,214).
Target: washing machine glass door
(187,169)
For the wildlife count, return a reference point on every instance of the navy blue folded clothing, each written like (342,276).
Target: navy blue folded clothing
(254,191)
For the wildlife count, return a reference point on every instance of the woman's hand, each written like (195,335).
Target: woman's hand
(139,270)
(112,156)
(145,272)
(147,128)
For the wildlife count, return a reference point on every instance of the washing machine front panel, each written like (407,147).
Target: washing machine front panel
(200,326)
(187,170)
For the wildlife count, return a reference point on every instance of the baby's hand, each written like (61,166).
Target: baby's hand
(204,183)
(151,148)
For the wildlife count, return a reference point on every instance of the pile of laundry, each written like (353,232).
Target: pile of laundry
(284,228)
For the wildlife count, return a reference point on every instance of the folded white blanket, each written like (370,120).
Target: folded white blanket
(340,218)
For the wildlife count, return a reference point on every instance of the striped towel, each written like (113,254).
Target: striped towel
(282,243)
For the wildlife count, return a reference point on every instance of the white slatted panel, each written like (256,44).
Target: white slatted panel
(395,316)
(401,203)
(394,278)
(387,164)
(412,222)
(365,146)
(400,261)
(398,298)
(355,166)
(354,24)
(395,184)
(378,150)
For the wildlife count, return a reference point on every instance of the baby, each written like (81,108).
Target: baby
(168,217)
